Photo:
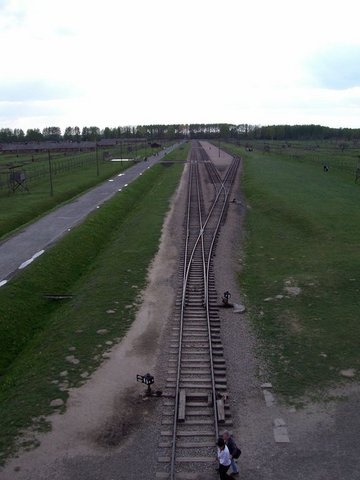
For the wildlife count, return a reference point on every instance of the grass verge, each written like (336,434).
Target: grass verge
(103,264)
(301,271)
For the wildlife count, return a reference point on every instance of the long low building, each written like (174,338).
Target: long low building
(38,147)
(63,146)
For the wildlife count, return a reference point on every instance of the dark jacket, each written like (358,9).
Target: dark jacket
(231,446)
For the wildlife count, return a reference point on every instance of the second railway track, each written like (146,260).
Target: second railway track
(194,404)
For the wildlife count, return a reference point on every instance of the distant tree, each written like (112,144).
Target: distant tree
(107,133)
(33,135)
(68,133)
(141,131)
(170,132)
(77,134)
(52,133)
(19,135)
(90,133)
(224,130)
(94,133)
(72,133)
(6,135)
(85,135)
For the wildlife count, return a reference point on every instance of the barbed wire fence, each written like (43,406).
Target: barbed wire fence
(36,169)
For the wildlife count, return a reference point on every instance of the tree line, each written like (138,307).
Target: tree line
(176,131)
(92,133)
(272,132)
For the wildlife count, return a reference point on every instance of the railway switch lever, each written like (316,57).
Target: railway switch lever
(225,299)
(146,380)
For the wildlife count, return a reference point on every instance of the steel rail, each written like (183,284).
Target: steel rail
(206,266)
(187,264)
(181,326)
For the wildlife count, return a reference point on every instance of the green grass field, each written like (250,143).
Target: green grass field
(329,152)
(302,244)
(103,264)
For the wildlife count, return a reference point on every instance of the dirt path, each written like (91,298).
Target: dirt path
(109,433)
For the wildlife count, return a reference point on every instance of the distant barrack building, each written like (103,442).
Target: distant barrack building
(61,146)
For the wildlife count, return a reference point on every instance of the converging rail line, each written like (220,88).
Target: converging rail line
(195,398)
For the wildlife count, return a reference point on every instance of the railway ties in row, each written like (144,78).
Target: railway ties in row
(195,404)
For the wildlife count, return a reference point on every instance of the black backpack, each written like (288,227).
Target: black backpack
(237,452)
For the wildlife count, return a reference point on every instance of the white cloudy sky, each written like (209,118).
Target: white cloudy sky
(130,62)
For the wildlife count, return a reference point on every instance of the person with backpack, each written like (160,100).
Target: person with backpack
(223,456)
(234,451)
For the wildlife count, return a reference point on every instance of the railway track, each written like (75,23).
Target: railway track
(194,404)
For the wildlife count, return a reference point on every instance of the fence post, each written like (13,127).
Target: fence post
(50,175)
(97,159)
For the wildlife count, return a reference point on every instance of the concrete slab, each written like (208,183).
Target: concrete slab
(269,398)
(281,435)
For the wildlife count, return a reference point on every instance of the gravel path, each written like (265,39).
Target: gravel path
(109,433)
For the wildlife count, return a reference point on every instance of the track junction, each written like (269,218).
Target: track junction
(195,403)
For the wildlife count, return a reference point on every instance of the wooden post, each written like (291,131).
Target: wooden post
(50,175)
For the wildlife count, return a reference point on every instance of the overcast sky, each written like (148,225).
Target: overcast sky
(132,62)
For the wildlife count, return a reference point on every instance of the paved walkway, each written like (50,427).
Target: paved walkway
(18,251)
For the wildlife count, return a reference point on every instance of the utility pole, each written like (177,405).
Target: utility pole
(50,175)
(97,159)
(219,140)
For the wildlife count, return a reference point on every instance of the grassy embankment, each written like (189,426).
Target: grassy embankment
(302,231)
(103,264)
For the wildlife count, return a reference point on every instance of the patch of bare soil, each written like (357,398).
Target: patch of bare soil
(131,412)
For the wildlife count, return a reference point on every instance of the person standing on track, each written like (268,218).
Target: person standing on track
(230,443)
(223,456)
